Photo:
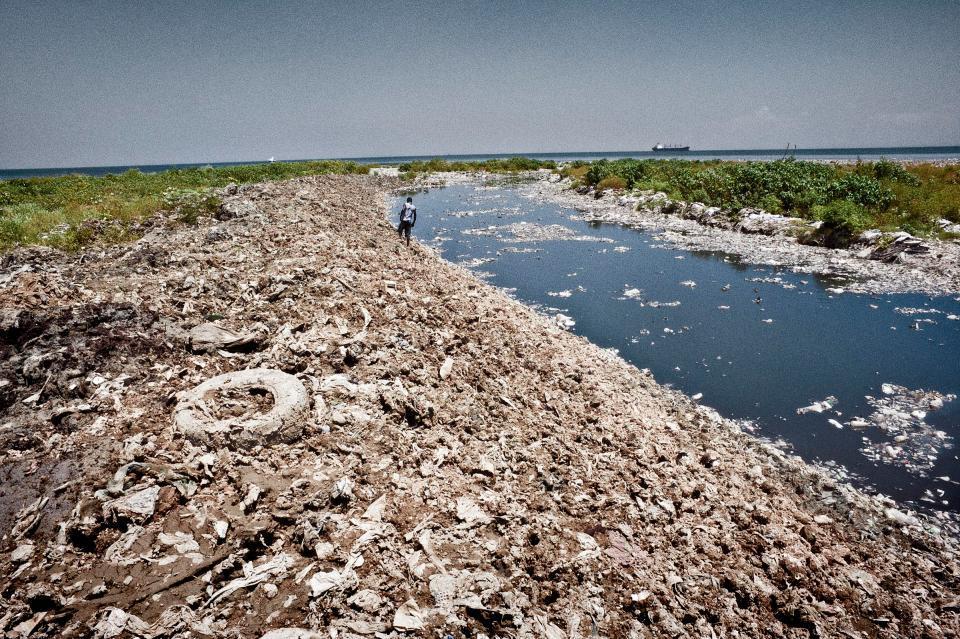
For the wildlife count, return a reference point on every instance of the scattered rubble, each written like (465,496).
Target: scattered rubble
(889,246)
(402,451)
(564,321)
(209,337)
(879,262)
(757,221)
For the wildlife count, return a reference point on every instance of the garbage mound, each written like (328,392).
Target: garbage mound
(285,424)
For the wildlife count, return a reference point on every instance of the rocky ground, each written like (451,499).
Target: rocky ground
(929,266)
(409,452)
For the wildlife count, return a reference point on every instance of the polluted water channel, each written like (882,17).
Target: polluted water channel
(863,385)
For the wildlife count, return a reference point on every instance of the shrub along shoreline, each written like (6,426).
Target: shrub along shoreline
(847,198)
(69,212)
(409,170)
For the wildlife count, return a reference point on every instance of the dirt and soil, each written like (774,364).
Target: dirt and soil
(468,469)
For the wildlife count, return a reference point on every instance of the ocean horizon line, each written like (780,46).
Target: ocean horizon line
(839,152)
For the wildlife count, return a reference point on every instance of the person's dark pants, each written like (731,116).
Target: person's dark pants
(405,230)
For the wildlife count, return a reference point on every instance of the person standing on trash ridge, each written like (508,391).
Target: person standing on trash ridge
(408,219)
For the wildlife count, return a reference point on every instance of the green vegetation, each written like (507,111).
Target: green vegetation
(69,212)
(612,182)
(508,165)
(842,221)
(847,198)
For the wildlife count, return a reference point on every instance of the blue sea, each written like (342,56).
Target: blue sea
(756,342)
(915,153)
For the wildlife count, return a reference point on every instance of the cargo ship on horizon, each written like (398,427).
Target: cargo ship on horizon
(661,147)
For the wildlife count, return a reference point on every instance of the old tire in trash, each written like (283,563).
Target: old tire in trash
(284,422)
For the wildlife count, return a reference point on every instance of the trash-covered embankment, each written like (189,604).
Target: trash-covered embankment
(876,262)
(285,419)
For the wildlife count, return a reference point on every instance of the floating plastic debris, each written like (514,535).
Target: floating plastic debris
(564,321)
(906,310)
(900,415)
(818,407)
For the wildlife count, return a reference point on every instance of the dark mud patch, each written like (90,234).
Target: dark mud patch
(59,480)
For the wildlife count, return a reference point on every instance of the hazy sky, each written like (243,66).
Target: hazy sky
(125,82)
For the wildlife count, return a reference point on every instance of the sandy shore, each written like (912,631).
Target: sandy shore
(457,466)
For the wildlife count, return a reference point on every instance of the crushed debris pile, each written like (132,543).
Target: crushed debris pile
(283,424)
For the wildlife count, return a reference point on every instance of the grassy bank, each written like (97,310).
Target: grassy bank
(847,198)
(504,165)
(70,211)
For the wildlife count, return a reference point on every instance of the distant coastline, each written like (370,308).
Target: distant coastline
(903,153)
